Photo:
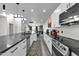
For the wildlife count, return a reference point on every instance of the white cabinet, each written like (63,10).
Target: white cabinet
(48,42)
(22,48)
(17,50)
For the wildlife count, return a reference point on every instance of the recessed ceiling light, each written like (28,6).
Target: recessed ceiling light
(32,10)
(44,10)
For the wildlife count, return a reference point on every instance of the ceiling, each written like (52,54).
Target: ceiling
(37,12)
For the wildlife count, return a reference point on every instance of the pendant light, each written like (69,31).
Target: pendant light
(3,7)
(3,11)
(17,15)
(23,13)
(17,8)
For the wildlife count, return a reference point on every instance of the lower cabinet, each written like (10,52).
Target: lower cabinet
(21,51)
(48,42)
(18,50)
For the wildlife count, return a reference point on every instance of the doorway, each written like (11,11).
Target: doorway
(10,29)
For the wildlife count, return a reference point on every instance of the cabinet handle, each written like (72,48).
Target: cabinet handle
(14,50)
(24,41)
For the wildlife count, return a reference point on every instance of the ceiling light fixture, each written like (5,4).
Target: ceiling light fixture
(23,20)
(44,10)
(17,8)
(32,10)
(3,7)
(3,13)
(18,15)
(23,13)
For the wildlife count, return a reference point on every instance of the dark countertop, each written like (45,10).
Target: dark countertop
(72,43)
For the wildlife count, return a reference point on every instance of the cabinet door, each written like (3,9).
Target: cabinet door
(21,51)
(16,51)
(22,48)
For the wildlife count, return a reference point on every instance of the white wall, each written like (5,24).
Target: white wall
(70,31)
(10,19)
(3,26)
(16,23)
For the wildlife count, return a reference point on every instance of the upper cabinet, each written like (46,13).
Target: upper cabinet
(59,10)
(65,6)
(70,15)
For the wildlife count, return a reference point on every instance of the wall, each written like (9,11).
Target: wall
(3,26)
(16,23)
(3,32)
(70,31)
